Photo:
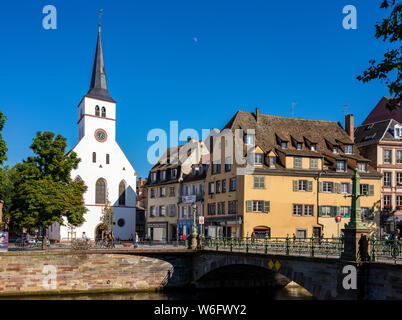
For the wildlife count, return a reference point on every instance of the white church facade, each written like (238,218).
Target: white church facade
(104,168)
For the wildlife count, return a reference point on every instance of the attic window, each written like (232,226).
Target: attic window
(369,126)
(362,166)
(299,146)
(369,137)
(258,158)
(398,132)
(313,147)
(284,145)
(335,150)
(348,149)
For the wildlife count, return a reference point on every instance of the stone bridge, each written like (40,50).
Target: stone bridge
(133,270)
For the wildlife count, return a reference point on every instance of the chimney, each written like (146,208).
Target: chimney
(257,113)
(349,126)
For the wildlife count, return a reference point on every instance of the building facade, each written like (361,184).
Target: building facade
(297,180)
(381,142)
(104,168)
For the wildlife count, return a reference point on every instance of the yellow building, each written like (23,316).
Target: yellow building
(297,180)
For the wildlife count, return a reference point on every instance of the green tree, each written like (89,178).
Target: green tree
(389,69)
(8,176)
(3,147)
(44,192)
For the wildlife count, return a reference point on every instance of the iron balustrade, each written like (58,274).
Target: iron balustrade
(385,250)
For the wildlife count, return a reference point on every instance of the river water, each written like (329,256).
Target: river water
(291,292)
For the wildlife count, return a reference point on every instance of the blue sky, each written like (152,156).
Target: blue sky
(196,62)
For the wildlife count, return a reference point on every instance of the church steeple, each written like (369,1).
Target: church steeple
(98,87)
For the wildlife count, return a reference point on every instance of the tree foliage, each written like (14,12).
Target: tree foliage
(44,192)
(3,147)
(389,69)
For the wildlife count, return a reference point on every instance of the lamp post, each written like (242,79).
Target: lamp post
(195,232)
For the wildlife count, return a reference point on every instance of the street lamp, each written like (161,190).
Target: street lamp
(194,206)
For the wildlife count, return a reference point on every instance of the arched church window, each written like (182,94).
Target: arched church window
(100,195)
(122,194)
(97,111)
(103,112)
(94,157)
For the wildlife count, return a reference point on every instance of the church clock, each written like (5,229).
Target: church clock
(100,135)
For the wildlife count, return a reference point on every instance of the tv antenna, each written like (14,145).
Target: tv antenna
(345,108)
(293,108)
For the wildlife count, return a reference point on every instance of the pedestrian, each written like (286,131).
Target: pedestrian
(294,238)
(252,236)
(136,240)
(84,236)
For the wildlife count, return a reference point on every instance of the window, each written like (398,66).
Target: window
(299,146)
(194,191)
(122,194)
(202,189)
(163,175)
(153,176)
(171,191)
(228,164)
(313,163)
(94,157)
(272,161)
(399,201)
(387,200)
(152,211)
(218,187)
(367,214)
(259,182)
(162,211)
(297,210)
(348,149)
(249,139)
(284,145)
(399,156)
(232,206)
(313,147)
(399,179)
(398,132)
(221,207)
(302,185)
(387,179)
(344,187)
(107,159)
(325,211)
(364,189)
(362,166)
(297,162)
(335,150)
(327,186)
(172,210)
(223,186)
(103,112)
(301,233)
(152,193)
(387,156)
(162,192)
(173,173)
(308,210)
(100,194)
(211,208)
(183,212)
(257,206)
(97,111)
(344,212)
(211,186)
(232,185)
(341,166)
(258,158)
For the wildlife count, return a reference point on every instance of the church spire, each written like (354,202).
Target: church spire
(98,87)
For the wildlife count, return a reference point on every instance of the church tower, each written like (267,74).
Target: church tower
(104,168)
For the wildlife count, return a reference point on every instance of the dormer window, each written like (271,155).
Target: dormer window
(341,166)
(153,176)
(174,173)
(272,161)
(313,147)
(249,139)
(284,145)
(258,158)
(335,150)
(163,175)
(299,146)
(398,132)
(362,166)
(348,149)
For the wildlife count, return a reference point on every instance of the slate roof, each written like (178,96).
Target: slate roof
(381,113)
(374,132)
(98,87)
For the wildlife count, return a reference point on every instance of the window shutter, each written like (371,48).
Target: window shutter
(319,211)
(371,190)
(338,210)
(349,188)
(263,182)
(266,206)
(249,206)
(295,185)
(310,186)
(337,187)
(321,187)
(156,211)
(333,211)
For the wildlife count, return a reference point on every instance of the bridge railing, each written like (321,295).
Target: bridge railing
(313,247)
(385,250)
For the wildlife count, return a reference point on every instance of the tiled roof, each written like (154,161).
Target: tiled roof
(380,112)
